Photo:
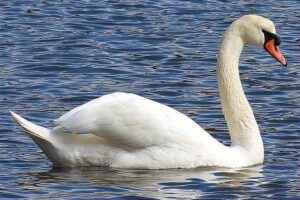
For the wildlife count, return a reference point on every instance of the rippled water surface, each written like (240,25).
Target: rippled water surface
(57,55)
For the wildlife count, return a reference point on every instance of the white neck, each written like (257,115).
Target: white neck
(240,119)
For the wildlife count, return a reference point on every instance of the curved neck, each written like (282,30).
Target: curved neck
(240,119)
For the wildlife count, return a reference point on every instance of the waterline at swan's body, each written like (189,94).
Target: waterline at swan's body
(128,131)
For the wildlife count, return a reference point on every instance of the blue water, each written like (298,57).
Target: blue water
(56,56)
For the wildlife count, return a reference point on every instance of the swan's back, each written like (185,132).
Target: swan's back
(133,121)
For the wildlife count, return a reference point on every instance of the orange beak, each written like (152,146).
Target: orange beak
(272,49)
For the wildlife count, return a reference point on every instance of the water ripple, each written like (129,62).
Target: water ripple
(58,55)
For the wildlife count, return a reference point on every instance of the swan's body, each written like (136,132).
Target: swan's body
(128,131)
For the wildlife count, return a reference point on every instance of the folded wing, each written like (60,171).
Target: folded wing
(132,121)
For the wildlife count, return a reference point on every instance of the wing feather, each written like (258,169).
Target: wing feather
(132,121)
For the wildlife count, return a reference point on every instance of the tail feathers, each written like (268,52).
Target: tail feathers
(43,137)
(35,131)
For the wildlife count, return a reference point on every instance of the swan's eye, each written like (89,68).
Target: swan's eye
(269,36)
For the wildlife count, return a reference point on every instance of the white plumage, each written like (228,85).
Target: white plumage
(131,120)
(128,131)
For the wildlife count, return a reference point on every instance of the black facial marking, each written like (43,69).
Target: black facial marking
(269,36)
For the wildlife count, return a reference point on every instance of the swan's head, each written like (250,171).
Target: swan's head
(260,31)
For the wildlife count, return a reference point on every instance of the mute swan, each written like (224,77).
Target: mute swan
(128,131)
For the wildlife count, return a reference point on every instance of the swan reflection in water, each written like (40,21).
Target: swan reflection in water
(98,182)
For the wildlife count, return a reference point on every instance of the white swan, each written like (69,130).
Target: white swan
(129,131)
